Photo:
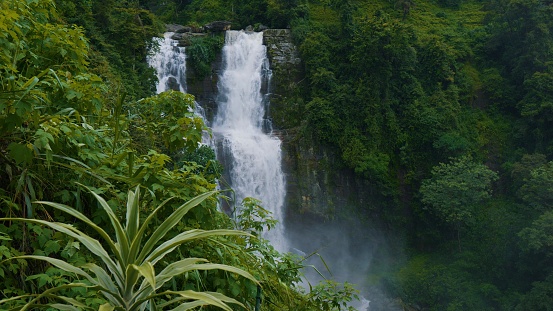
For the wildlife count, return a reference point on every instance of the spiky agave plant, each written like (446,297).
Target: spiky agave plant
(127,279)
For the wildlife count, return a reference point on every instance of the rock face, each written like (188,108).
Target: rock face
(173,84)
(281,50)
(205,90)
(287,74)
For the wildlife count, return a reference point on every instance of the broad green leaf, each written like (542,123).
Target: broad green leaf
(106,307)
(148,272)
(20,153)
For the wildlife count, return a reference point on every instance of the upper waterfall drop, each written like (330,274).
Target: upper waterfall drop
(251,155)
(170,64)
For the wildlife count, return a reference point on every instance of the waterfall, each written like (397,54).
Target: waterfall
(170,64)
(250,154)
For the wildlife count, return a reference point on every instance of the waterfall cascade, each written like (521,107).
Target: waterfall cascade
(251,155)
(170,64)
(242,133)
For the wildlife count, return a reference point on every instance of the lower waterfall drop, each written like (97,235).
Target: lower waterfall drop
(170,64)
(250,154)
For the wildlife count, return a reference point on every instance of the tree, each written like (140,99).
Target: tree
(456,189)
(537,191)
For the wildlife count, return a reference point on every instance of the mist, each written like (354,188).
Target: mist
(341,249)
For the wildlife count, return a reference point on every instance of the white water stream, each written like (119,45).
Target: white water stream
(170,64)
(252,156)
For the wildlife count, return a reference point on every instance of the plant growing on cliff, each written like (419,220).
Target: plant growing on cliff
(202,52)
(126,277)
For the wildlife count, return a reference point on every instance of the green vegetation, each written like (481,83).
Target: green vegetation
(437,104)
(443,107)
(202,52)
(130,260)
(78,123)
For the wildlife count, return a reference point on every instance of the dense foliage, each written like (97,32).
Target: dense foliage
(78,124)
(443,106)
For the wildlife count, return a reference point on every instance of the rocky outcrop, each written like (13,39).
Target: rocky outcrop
(287,74)
(177,28)
(184,38)
(218,26)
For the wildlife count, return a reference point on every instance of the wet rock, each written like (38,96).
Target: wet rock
(173,84)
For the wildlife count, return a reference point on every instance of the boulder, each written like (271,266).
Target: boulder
(176,28)
(218,26)
(172,84)
(261,27)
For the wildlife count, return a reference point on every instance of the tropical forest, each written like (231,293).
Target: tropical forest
(408,148)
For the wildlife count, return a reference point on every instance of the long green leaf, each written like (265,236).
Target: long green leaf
(215,266)
(176,268)
(51,291)
(187,305)
(63,307)
(112,293)
(137,239)
(197,303)
(28,86)
(121,235)
(72,302)
(204,297)
(80,216)
(186,236)
(91,244)
(60,264)
(82,168)
(169,222)
(133,214)
(173,269)
(224,298)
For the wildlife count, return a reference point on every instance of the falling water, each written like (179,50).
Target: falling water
(251,155)
(170,64)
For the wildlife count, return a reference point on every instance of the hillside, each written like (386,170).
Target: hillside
(440,110)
